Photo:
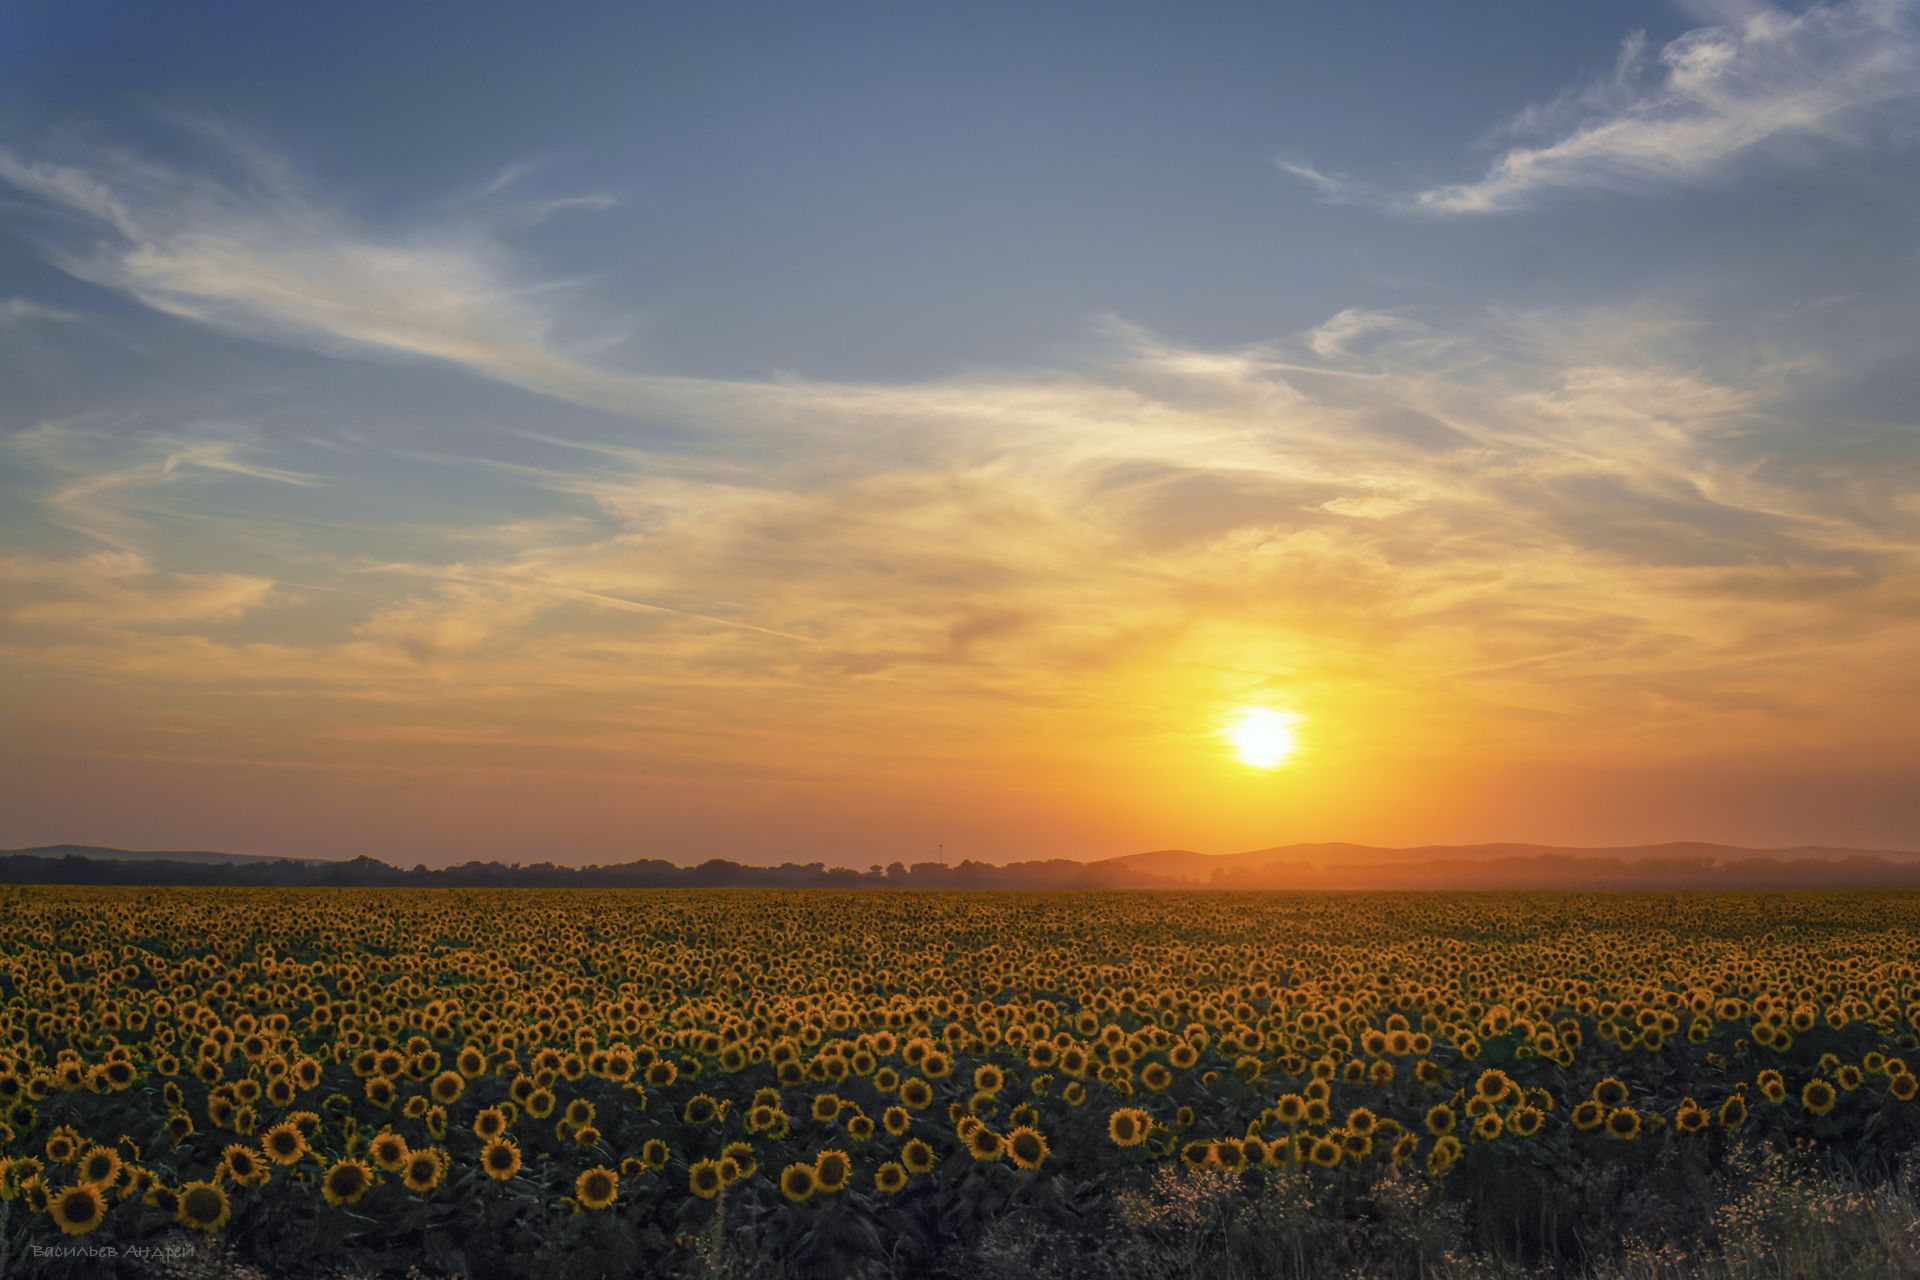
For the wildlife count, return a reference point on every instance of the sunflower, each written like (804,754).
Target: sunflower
(100,1166)
(740,1156)
(916,1093)
(345,1182)
(832,1169)
(1525,1120)
(1325,1152)
(35,1192)
(388,1150)
(1733,1112)
(798,1182)
(1493,1084)
(447,1087)
(1818,1097)
(242,1165)
(705,1179)
(1440,1120)
(984,1144)
(500,1158)
(79,1209)
(1902,1086)
(890,1178)
(1610,1092)
(1589,1114)
(1445,1154)
(1128,1127)
(1624,1123)
(917,1156)
(489,1123)
(284,1143)
(423,1170)
(1027,1148)
(597,1188)
(656,1153)
(62,1144)
(826,1107)
(138,1182)
(203,1206)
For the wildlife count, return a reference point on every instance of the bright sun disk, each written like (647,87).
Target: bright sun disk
(1262,737)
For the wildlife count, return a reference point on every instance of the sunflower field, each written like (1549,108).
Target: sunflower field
(560,1084)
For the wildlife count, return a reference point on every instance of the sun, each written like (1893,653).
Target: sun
(1262,737)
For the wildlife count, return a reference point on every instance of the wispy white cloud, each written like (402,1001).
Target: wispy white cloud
(1331,188)
(260,256)
(1706,99)
(95,477)
(1347,332)
(23,310)
(1689,112)
(1369,507)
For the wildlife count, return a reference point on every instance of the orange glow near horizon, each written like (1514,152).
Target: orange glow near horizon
(383,565)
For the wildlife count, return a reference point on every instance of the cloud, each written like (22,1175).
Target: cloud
(1347,332)
(98,476)
(1591,521)
(1370,507)
(257,255)
(23,310)
(1708,98)
(1330,188)
(1550,516)
(114,590)
(1687,114)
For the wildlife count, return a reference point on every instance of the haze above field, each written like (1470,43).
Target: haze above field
(831,433)
(1686,865)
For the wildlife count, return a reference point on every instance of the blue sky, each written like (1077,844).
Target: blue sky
(726,429)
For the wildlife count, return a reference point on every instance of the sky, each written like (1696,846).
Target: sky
(847,432)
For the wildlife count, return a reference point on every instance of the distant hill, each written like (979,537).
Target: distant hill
(136,855)
(1685,865)
(1325,865)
